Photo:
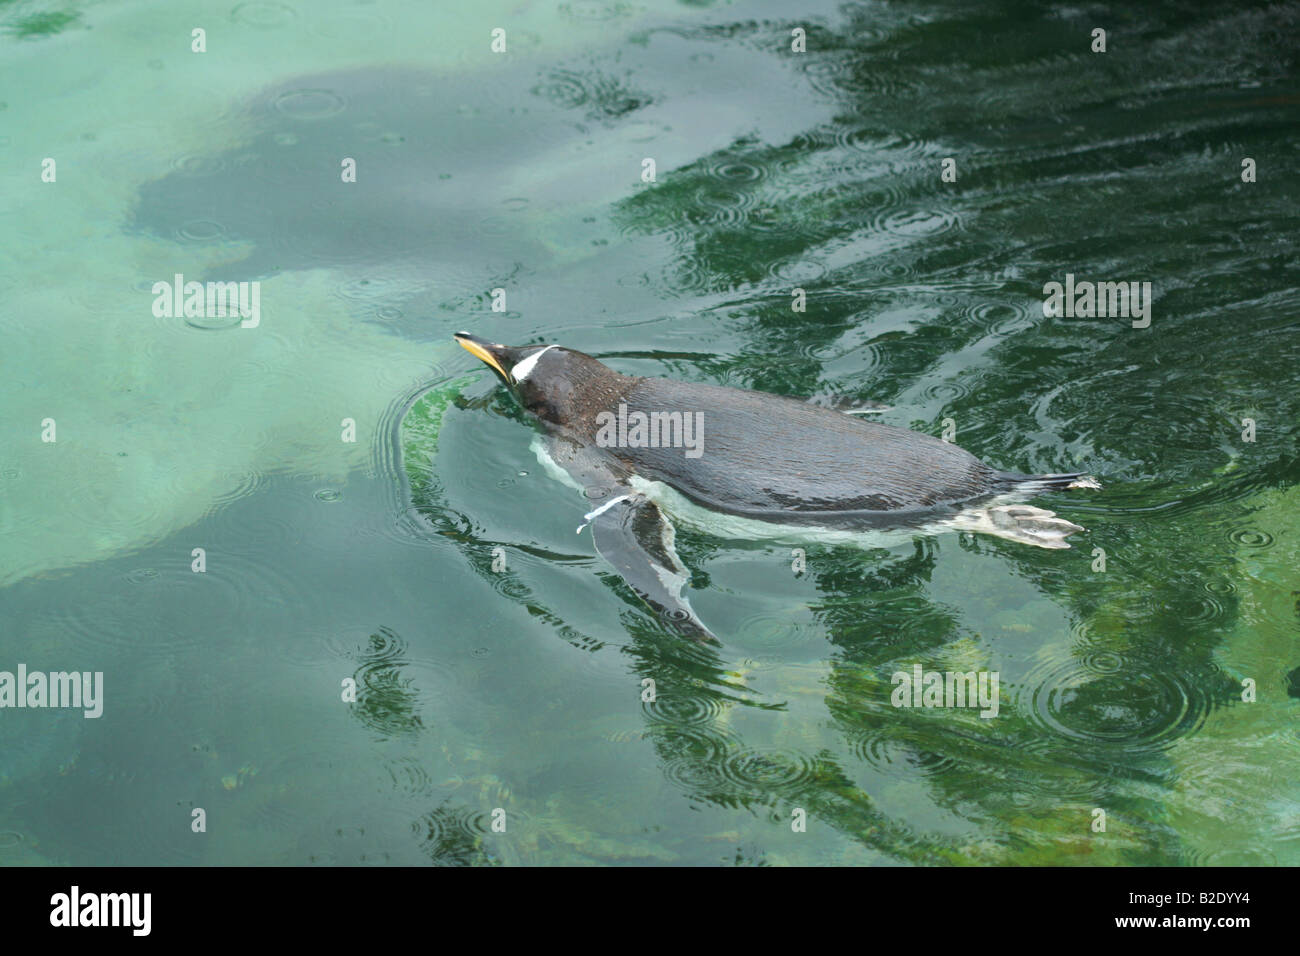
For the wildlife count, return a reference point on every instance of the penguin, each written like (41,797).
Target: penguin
(752,463)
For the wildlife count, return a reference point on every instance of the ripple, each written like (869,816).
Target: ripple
(201,230)
(403,525)
(1101,662)
(152,688)
(453,836)
(686,277)
(714,207)
(409,777)
(693,758)
(309,104)
(683,708)
(509,584)
(1023,799)
(881,145)
(771,771)
(695,775)
(896,267)
(601,96)
(776,631)
(395,686)
(935,764)
(10,838)
(388,700)
(182,603)
(811,141)
(880,749)
(143,576)
(738,172)
(197,165)
(1201,610)
(1001,318)
(1235,856)
(863,212)
(1124,708)
(213,323)
(917,222)
(263,15)
(385,646)
(312,648)
(769,217)
(563,88)
(946,393)
(834,74)
(1251,538)
(798,271)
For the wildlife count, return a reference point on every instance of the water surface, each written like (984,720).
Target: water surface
(521,688)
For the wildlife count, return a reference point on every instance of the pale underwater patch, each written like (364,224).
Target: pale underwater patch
(158,422)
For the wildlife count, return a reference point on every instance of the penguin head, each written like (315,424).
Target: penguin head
(548,380)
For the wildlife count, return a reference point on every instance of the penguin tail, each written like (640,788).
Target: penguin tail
(1037,484)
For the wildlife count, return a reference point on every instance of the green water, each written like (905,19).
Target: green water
(520,688)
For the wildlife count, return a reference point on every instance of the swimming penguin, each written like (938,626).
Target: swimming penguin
(641,447)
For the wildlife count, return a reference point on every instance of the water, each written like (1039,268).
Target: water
(521,689)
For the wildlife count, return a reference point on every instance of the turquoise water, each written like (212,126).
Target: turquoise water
(519,688)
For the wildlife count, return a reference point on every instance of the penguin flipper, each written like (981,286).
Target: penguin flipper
(633,535)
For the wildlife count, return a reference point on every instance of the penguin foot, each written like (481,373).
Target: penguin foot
(1022,523)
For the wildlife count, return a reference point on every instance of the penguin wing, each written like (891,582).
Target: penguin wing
(764,455)
(635,536)
(632,534)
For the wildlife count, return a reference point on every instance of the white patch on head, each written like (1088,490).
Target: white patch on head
(520,371)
